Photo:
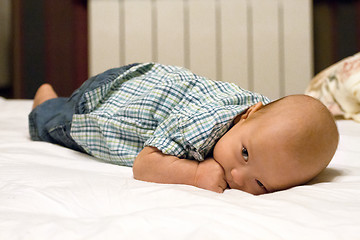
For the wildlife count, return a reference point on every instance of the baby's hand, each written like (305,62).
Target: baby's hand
(210,175)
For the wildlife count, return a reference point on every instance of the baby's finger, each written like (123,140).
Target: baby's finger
(223,185)
(219,190)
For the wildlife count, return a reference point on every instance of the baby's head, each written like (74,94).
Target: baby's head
(277,146)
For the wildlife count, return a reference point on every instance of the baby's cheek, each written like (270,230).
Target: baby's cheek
(221,151)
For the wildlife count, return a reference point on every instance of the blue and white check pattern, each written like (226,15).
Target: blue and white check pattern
(166,107)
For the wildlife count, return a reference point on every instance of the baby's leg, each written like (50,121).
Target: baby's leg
(44,93)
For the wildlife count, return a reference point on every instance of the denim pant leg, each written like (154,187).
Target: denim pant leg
(51,120)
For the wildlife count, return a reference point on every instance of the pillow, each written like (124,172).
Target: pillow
(338,87)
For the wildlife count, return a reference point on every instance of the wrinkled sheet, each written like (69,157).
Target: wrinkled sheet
(50,192)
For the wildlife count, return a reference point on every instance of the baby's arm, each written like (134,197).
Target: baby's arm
(153,166)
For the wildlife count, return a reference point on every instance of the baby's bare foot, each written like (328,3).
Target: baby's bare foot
(44,93)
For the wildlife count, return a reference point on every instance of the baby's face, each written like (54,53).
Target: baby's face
(255,159)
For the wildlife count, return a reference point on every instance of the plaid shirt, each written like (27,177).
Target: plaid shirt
(166,107)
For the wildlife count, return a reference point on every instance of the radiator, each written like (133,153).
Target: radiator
(261,45)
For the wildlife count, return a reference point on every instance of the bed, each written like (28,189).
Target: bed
(50,192)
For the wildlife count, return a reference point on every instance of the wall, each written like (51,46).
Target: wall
(5,47)
(251,43)
(50,45)
(336,31)
(336,35)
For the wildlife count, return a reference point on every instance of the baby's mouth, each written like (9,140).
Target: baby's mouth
(230,183)
(229,180)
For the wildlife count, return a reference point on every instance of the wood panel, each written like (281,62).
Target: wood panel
(66,65)
(50,45)
(32,40)
(5,24)
(59,52)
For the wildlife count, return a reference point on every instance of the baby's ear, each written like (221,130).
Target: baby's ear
(251,110)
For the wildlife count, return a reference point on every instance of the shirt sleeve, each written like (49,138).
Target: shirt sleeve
(168,138)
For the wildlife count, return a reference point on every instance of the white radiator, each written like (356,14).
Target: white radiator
(261,45)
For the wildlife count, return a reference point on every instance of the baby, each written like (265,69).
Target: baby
(175,127)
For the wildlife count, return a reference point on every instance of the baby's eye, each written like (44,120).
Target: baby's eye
(261,185)
(245,154)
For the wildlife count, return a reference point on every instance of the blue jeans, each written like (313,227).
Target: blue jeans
(51,120)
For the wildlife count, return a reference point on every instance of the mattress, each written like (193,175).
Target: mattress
(50,192)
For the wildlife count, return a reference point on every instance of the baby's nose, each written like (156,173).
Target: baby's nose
(238,178)
(242,181)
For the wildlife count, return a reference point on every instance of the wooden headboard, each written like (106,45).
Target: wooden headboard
(261,45)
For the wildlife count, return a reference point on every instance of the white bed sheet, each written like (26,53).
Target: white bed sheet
(50,192)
